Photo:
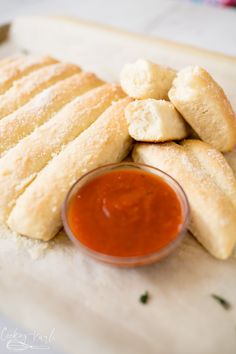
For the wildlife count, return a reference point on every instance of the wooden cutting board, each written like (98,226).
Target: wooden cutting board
(94,308)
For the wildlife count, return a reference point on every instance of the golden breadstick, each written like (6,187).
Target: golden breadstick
(210,193)
(204,105)
(20,67)
(10,60)
(42,107)
(37,211)
(22,163)
(26,88)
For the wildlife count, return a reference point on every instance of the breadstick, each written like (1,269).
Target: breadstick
(22,163)
(203,104)
(20,67)
(37,211)
(144,79)
(155,120)
(26,88)
(41,108)
(10,60)
(216,166)
(211,194)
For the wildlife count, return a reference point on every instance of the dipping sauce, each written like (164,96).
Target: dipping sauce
(125,213)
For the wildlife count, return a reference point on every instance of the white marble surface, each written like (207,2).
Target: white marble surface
(200,25)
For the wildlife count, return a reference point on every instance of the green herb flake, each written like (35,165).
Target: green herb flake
(224,303)
(144,298)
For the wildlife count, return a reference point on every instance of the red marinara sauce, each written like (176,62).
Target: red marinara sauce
(125,213)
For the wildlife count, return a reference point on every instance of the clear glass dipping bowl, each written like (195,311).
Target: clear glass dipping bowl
(136,260)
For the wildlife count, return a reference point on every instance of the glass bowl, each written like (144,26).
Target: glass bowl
(134,260)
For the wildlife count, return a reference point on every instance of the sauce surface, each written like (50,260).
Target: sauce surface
(125,213)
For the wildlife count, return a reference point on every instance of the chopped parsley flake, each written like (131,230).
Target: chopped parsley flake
(144,298)
(224,303)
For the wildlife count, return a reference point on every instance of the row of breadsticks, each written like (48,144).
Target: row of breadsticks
(57,123)
(171,106)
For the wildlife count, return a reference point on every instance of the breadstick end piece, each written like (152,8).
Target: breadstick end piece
(155,121)
(144,79)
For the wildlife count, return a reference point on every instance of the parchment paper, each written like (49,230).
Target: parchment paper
(93,307)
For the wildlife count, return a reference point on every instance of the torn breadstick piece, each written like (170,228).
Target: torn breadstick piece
(144,79)
(37,211)
(21,67)
(42,107)
(212,194)
(155,121)
(204,105)
(21,164)
(25,89)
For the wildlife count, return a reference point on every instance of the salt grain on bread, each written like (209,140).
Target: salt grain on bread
(42,107)
(21,67)
(144,79)
(210,187)
(37,211)
(22,163)
(25,89)
(203,104)
(154,121)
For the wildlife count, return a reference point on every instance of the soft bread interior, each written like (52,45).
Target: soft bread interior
(154,121)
